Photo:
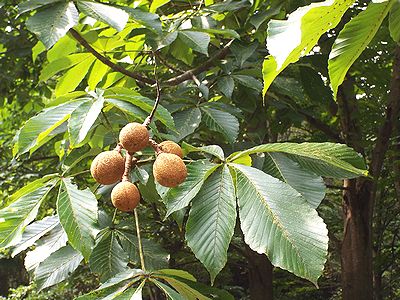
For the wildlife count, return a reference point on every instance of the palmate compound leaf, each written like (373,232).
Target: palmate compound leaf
(309,185)
(323,159)
(277,220)
(53,22)
(212,220)
(108,257)
(77,210)
(180,196)
(57,267)
(290,39)
(23,208)
(353,39)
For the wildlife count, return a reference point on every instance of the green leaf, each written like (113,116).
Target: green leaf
(82,120)
(77,210)
(222,122)
(180,196)
(212,220)
(52,23)
(40,126)
(394,22)
(108,14)
(62,63)
(249,81)
(176,273)
(204,289)
(108,258)
(156,4)
(186,122)
(33,4)
(33,232)
(288,40)
(23,208)
(169,292)
(149,20)
(214,150)
(277,220)
(47,245)
(144,103)
(97,73)
(57,267)
(226,86)
(309,185)
(198,41)
(323,159)
(127,274)
(353,39)
(73,77)
(156,257)
(185,290)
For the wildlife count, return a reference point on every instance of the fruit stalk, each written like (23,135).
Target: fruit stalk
(141,255)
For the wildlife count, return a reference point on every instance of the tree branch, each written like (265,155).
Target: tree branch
(204,67)
(392,115)
(108,62)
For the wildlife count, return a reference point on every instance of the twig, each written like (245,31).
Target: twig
(203,67)
(169,82)
(154,145)
(108,62)
(158,96)
(139,240)
(129,162)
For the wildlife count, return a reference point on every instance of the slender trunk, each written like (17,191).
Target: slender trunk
(356,252)
(359,195)
(260,276)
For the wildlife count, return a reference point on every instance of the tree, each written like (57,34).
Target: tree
(102,64)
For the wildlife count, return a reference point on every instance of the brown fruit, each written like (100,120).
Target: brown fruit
(125,196)
(108,167)
(169,170)
(171,147)
(134,137)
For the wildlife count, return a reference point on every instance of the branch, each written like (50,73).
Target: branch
(158,96)
(392,115)
(204,67)
(107,61)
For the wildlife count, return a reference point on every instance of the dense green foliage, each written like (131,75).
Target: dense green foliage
(260,128)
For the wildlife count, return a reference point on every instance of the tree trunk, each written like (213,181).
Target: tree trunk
(356,252)
(260,275)
(359,194)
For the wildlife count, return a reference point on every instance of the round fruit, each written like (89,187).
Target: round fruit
(125,196)
(134,137)
(108,167)
(171,147)
(169,170)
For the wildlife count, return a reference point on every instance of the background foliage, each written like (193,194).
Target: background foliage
(260,128)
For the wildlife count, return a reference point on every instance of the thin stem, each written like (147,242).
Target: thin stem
(158,95)
(115,214)
(139,240)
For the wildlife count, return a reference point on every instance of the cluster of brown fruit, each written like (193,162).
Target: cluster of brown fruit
(110,166)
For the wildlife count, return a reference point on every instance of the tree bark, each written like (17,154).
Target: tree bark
(359,195)
(260,275)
